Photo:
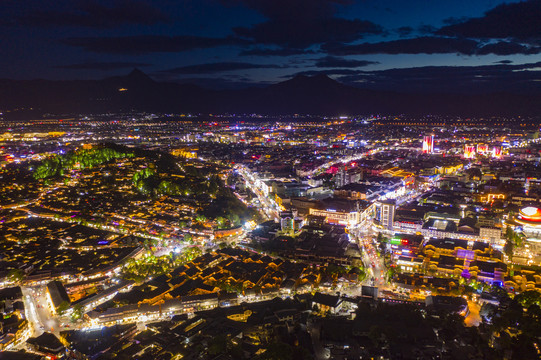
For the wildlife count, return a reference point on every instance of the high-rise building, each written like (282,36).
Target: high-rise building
(340,178)
(428,144)
(385,213)
(287,221)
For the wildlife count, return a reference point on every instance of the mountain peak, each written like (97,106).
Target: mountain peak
(322,76)
(138,75)
(299,76)
(319,80)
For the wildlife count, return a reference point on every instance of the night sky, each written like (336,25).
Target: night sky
(458,45)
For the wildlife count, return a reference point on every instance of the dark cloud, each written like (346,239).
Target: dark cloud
(211,68)
(499,77)
(404,30)
(302,23)
(94,14)
(336,62)
(221,83)
(216,82)
(455,20)
(258,51)
(426,29)
(324,72)
(518,25)
(308,34)
(420,45)
(433,45)
(504,62)
(144,44)
(455,71)
(103,66)
(514,20)
(508,48)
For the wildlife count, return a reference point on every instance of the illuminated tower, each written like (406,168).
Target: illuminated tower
(428,144)
(469,151)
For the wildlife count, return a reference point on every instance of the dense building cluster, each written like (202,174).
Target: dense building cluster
(140,236)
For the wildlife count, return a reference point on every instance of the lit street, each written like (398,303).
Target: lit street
(473,318)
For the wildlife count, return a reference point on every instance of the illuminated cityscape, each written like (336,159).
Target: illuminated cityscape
(334,183)
(139,226)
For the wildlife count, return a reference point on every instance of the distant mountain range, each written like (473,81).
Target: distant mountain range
(318,95)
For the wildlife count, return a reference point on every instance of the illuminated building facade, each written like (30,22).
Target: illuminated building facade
(482,148)
(530,220)
(347,218)
(428,144)
(469,151)
(530,216)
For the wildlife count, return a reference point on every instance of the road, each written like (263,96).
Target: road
(38,310)
(364,236)
(320,352)
(31,312)
(473,318)
(266,206)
